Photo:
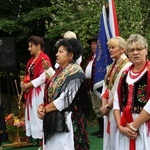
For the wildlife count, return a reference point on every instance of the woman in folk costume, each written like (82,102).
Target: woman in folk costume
(117,53)
(33,87)
(67,92)
(68,34)
(132,98)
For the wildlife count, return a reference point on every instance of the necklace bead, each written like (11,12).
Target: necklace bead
(136,74)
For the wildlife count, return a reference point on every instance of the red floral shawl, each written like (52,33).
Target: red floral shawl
(38,69)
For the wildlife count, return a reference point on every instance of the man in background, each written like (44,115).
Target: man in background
(89,73)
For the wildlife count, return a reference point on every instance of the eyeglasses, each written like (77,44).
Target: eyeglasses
(136,49)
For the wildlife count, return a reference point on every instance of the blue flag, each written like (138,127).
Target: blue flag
(102,53)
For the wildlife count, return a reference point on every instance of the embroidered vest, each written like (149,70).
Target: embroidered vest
(139,97)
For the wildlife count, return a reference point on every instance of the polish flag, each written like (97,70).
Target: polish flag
(113,23)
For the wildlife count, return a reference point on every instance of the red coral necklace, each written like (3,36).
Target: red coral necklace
(136,74)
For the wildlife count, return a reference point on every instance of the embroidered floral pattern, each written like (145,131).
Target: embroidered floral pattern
(141,93)
(124,94)
(80,131)
(31,69)
(113,72)
(57,82)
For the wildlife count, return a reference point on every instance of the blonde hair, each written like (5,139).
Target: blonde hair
(69,34)
(117,41)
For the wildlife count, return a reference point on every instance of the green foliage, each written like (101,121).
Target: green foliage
(131,17)
(51,18)
(82,17)
(5,25)
(134,17)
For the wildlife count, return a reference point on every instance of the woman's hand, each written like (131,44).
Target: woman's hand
(45,64)
(41,111)
(128,132)
(24,87)
(104,110)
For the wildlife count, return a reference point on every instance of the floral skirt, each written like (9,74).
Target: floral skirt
(81,141)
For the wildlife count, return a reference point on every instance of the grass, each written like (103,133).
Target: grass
(95,143)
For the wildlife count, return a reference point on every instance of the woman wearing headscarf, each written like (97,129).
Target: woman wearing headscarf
(67,93)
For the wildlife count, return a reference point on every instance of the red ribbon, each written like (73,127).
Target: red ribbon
(127,116)
(108,126)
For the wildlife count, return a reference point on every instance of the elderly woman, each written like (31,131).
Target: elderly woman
(68,34)
(117,53)
(67,93)
(132,98)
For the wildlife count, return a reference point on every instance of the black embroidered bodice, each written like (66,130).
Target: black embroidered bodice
(139,94)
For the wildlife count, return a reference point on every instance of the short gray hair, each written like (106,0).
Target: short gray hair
(136,38)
